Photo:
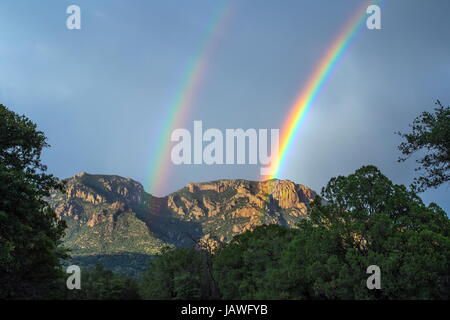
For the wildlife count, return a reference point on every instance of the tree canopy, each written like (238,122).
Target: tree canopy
(430,132)
(98,283)
(177,274)
(364,219)
(30,232)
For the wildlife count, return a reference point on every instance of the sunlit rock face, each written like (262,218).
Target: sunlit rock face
(109,214)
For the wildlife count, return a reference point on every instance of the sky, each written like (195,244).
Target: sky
(104,94)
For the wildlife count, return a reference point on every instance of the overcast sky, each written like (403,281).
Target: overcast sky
(102,94)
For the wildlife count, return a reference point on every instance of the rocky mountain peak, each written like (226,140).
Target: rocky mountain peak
(98,189)
(108,214)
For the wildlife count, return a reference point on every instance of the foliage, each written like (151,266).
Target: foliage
(125,263)
(29,231)
(367,220)
(177,274)
(430,132)
(98,283)
(247,267)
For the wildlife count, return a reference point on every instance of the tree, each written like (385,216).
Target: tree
(361,220)
(430,133)
(30,233)
(97,283)
(176,274)
(248,267)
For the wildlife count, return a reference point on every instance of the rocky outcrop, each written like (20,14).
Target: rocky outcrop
(111,212)
(84,194)
(241,199)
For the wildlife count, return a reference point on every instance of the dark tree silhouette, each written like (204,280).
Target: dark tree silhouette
(30,232)
(430,133)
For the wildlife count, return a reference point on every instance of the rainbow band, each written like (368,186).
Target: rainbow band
(185,97)
(307,96)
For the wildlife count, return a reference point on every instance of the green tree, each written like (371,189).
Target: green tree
(30,232)
(431,134)
(247,268)
(361,220)
(97,283)
(177,274)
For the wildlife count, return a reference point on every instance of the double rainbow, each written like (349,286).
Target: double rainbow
(195,74)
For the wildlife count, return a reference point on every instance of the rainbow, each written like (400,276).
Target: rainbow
(185,97)
(313,86)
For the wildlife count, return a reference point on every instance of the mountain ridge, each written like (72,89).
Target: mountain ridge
(113,215)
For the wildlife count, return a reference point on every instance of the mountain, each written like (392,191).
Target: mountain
(112,219)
